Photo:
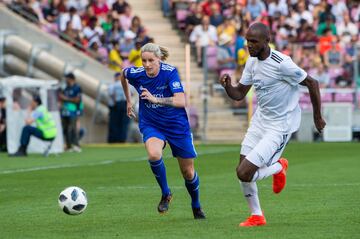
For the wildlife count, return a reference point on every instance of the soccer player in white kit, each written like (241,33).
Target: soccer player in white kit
(276,80)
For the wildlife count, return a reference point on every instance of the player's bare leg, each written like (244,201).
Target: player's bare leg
(192,184)
(154,147)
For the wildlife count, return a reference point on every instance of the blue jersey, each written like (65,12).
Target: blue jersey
(167,119)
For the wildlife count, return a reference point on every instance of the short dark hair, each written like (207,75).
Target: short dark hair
(70,76)
(37,99)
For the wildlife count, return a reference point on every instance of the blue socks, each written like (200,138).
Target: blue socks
(159,171)
(193,189)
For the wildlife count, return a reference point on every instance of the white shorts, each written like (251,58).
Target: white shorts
(263,147)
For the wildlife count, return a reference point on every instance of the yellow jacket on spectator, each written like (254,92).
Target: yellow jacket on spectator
(115,60)
(135,57)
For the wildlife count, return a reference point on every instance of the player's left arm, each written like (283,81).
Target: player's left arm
(313,87)
(178,100)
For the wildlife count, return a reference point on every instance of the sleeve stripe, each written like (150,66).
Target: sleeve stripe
(276,56)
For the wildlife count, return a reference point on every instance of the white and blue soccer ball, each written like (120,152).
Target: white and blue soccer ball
(73,200)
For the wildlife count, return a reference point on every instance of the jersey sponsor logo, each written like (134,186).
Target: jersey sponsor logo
(162,87)
(152,105)
(176,85)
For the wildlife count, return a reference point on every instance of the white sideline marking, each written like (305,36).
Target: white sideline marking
(261,185)
(40,168)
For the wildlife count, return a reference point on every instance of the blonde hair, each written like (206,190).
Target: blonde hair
(159,51)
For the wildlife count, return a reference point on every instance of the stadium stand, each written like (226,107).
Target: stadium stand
(321,35)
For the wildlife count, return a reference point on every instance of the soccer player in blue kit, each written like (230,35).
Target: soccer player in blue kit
(162,117)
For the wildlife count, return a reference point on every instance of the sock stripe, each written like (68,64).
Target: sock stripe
(192,180)
(156,163)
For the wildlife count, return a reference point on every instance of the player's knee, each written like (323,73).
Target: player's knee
(242,175)
(154,155)
(188,173)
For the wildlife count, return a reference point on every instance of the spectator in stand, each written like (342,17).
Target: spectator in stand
(89,14)
(225,54)
(338,10)
(136,25)
(239,16)
(73,18)
(227,27)
(328,24)
(115,61)
(308,39)
(326,12)
(216,17)
(98,53)
(242,55)
(118,8)
(278,7)
(107,24)
(322,75)
(193,19)
(206,6)
(255,8)
(347,29)
(127,44)
(126,18)
(304,13)
(135,54)
(79,5)
(35,6)
(202,36)
(100,9)
(143,37)
(70,35)
(93,33)
(333,57)
(325,41)
(116,33)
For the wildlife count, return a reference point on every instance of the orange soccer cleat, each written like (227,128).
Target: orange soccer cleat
(279,179)
(253,221)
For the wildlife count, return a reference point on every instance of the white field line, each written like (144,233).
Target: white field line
(40,168)
(294,185)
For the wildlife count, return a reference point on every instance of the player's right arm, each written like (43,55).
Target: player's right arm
(235,92)
(126,89)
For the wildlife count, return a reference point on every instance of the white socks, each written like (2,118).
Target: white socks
(265,172)
(250,190)
(251,194)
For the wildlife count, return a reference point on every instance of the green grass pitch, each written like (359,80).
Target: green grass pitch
(321,199)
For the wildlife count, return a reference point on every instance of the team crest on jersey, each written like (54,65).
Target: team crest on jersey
(176,85)
(298,73)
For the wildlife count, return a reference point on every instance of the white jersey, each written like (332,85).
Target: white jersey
(276,81)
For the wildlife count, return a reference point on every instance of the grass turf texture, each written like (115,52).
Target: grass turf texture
(321,199)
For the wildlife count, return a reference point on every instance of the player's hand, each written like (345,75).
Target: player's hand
(146,95)
(225,80)
(319,123)
(130,110)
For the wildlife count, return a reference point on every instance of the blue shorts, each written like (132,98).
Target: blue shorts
(180,147)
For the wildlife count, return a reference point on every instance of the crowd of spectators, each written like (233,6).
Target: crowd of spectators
(320,35)
(106,30)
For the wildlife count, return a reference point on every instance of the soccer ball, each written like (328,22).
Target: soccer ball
(73,200)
